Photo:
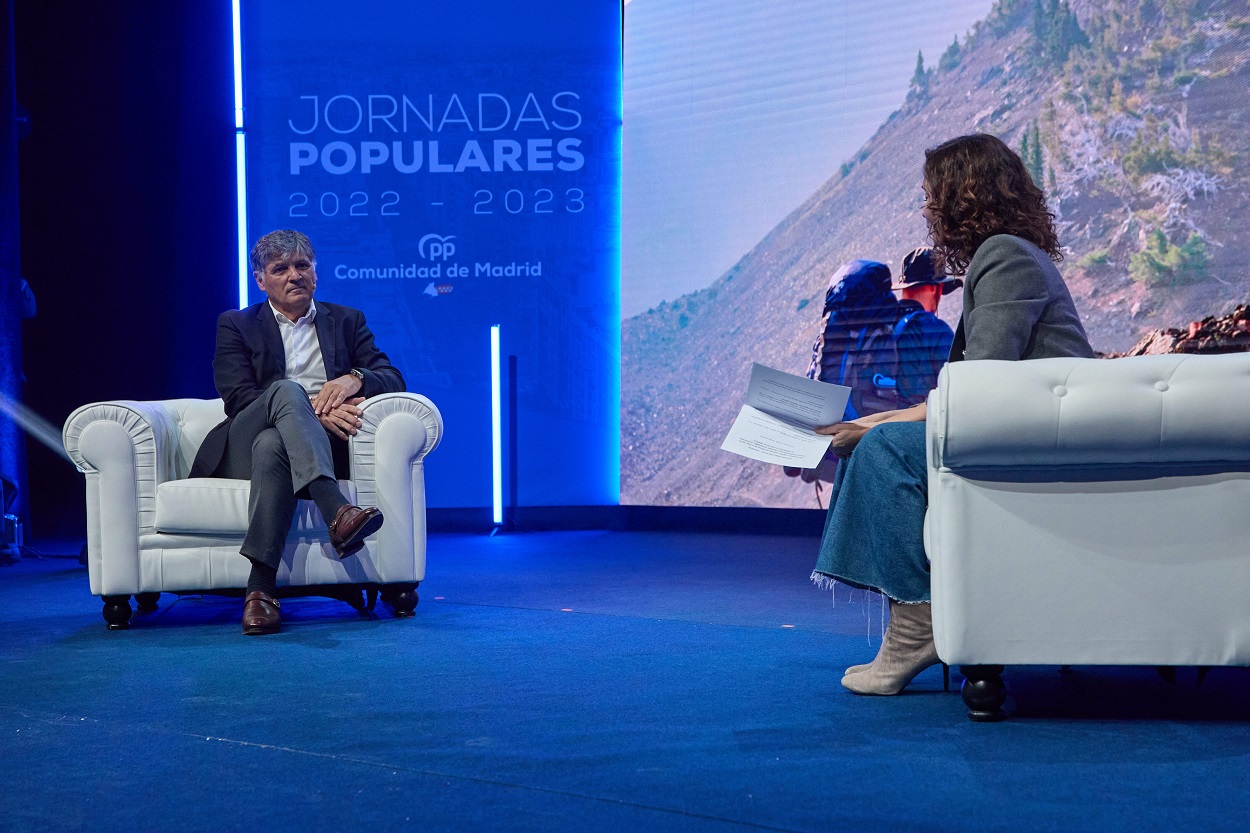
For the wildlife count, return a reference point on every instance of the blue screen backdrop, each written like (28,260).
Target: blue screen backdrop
(458,166)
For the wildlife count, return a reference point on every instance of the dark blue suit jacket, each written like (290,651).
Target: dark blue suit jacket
(249,358)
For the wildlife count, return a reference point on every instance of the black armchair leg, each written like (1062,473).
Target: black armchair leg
(983,692)
(401,597)
(117,612)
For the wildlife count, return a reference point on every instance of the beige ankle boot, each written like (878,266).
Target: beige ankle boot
(855,669)
(906,650)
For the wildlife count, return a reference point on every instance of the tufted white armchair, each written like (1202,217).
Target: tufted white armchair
(152,530)
(1089,511)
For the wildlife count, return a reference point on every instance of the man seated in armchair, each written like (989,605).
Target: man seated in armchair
(292,374)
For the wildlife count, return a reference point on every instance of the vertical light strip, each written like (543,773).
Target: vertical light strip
(240,164)
(496,427)
(237,23)
(240,152)
(614,314)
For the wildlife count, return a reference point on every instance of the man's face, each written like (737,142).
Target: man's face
(289,281)
(928,295)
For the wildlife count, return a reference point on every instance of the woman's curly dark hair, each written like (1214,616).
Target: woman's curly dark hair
(978,187)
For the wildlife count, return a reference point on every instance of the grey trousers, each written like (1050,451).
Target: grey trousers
(279,445)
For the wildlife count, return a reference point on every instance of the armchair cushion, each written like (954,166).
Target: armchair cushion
(216,506)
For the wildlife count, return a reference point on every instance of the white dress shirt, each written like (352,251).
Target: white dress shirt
(302,349)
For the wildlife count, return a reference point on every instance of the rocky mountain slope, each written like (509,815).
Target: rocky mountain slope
(1130,113)
(1214,334)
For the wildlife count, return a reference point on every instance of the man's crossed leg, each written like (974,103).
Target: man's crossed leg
(279,445)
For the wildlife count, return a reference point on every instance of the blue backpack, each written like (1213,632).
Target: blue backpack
(872,368)
(858,341)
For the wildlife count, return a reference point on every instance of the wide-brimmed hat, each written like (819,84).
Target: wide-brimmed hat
(918,270)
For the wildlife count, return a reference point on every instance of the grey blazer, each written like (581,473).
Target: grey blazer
(1016,306)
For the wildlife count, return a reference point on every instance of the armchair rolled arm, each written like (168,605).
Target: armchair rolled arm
(125,449)
(133,440)
(1143,411)
(421,436)
(398,430)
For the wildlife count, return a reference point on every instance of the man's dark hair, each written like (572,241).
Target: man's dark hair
(979,187)
(283,243)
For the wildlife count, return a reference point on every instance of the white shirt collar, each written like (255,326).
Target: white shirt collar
(306,318)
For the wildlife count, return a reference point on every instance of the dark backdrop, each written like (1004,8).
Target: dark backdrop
(127,212)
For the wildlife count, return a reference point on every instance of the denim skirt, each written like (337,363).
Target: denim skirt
(874,532)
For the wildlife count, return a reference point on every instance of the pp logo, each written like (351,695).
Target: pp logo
(436,247)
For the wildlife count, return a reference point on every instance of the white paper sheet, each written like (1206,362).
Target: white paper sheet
(776,425)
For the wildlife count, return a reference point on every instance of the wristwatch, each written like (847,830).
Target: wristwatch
(357,374)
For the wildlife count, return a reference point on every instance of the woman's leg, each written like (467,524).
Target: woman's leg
(874,538)
(874,531)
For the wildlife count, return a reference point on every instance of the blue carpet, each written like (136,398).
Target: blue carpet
(582,681)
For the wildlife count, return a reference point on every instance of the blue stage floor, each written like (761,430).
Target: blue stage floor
(580,681)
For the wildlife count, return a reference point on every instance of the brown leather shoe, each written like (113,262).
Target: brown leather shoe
(260,614)
(351,526)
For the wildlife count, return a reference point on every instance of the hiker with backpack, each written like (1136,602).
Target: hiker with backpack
(887,350)
(856,334)
(923,339)
(858,317)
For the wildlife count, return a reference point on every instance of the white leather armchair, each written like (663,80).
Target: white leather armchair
(152,530)
(1087,511)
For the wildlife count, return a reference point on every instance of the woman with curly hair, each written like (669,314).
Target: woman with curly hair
(988,222)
